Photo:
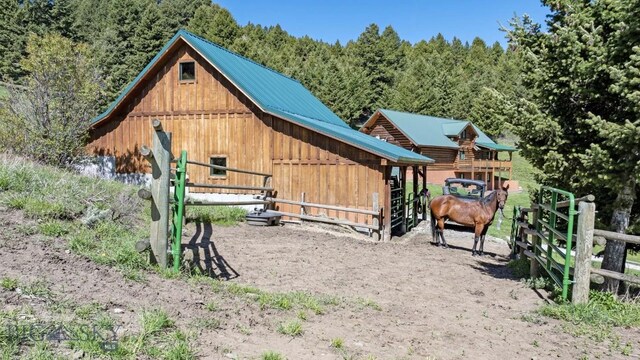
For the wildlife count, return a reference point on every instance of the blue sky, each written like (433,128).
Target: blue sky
(414,20)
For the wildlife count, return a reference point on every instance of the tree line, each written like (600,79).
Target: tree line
(377,70)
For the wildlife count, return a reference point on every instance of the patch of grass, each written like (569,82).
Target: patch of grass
(292,328)
(538,283)
(54,228)
(337,343)
(208,323)
(87,311)
(154,321)
(9,283)
(39,289)
(362,302)
(271,355)
(602,309)
(211,306)
(218,215)
(277,300)
(597,318)
(520,267)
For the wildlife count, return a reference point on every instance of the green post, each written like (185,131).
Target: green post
(178,209)
(566,282)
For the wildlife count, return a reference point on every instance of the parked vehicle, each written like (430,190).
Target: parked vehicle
(464,188)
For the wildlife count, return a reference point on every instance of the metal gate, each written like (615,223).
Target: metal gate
(553,222)
(397,205)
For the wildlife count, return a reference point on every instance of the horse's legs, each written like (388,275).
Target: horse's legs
(476,237)
(441,227)
(484,233)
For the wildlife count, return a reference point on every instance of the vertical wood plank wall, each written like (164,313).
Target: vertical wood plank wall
(209,117)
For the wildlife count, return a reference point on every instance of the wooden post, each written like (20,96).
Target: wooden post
(376,219)
(403,202)
(416,193)
(584,250)
(161,167)
(302,209)
(424,186)
(534,266)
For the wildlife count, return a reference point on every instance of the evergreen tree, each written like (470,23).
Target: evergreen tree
(583,123)
(12,38)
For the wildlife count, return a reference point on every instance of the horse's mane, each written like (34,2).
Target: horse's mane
(489,198)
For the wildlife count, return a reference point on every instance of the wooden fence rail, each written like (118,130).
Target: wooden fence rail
(586,236)
(375,213)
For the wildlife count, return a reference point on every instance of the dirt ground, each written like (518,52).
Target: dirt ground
(404,299)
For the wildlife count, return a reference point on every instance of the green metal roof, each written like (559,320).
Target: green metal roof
(276,94)
(454,128)
(424,130)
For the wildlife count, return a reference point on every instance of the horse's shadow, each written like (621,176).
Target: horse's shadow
(204,255)
(464,249)
(496,270)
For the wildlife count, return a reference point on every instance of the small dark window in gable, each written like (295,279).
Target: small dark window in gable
(219,161)
(187,71)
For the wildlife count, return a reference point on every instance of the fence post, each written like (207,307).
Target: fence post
(302,209)
(584,250)
(160,173)
(376,218)
(534,268)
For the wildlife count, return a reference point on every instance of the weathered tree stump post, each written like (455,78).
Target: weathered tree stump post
(584,250)
(160,159)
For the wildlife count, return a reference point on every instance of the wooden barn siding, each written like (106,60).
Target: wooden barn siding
(206,117)
(211,117)
(402,140)
(327,171)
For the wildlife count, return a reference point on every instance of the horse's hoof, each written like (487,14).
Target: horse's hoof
(481,253)
(473,253)
(437,244)
(445,246)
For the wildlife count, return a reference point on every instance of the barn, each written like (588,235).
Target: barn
(227,110)
(459,147)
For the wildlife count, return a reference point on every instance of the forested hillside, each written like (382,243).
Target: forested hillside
(379,69)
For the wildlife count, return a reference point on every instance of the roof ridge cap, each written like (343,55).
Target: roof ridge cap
(236,54)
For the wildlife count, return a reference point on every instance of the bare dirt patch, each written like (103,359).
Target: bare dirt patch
(401,299)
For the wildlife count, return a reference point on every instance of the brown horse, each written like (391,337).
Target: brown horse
(472,213)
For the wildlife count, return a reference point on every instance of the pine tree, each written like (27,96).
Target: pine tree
(583,123)
(12,39)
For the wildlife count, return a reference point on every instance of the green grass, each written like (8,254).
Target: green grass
(337,343)
(9,283)
(597,318)
(292,328)
(271,355)
(218,215)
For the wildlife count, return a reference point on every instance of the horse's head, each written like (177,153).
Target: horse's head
(502,195)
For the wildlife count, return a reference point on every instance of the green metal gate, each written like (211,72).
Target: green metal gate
(554,222)
(397,205)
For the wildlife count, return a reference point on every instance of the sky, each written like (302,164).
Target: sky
(413,20)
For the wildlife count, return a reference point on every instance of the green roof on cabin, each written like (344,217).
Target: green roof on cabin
(424,130)
(276,94)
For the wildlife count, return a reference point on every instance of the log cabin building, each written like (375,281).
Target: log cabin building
(227,110)
(460,149)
